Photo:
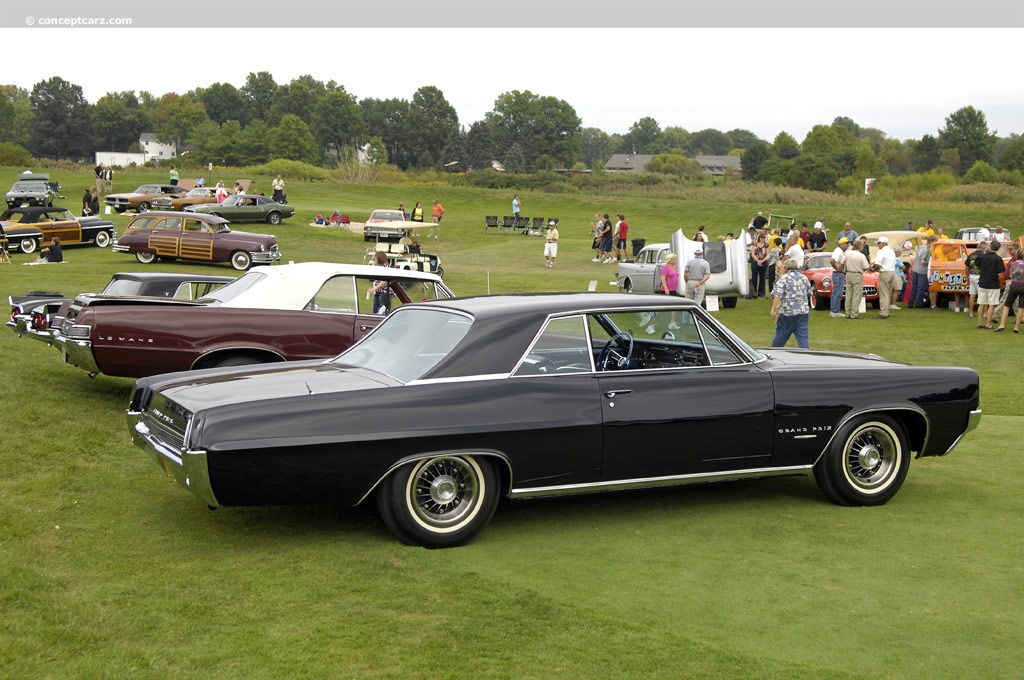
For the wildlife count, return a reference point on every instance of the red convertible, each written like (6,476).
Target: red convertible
(286,312)
(819,272)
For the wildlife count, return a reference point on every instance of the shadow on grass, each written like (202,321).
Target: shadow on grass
(168,513)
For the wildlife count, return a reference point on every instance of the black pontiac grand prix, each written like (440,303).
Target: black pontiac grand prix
(448,405)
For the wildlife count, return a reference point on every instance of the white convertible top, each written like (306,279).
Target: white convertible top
(292,286)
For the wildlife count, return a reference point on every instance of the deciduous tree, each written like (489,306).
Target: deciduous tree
(61,124)
(118,119)
(292,139)
(966,131)
(176,117)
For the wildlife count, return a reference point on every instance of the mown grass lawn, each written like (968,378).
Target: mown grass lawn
(108,569)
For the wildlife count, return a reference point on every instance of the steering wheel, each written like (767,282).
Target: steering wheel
(605,359)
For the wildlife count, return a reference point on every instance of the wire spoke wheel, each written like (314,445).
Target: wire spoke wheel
(440,501)
(866,462)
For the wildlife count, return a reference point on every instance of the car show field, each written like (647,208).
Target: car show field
(109,569)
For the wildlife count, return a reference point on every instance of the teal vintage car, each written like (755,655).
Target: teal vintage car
(246,208)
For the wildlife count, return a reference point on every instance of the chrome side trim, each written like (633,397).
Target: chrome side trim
(973,420)
(649,482)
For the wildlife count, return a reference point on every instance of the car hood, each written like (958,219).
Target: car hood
(780,358)
(200,390)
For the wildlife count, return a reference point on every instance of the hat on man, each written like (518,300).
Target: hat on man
(698,251)
(817,226)
(883,239)
(551,223)
(844,240)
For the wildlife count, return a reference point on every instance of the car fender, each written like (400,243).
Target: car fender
(504,471)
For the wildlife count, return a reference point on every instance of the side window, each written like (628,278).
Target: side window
(719,352)
(336,295)
(562,347)
(663,255)
(196,227)
(665,339)
(143,223)
(169,224)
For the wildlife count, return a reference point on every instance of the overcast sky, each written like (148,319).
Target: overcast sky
(902,81)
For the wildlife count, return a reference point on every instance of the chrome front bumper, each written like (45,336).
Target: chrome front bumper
(188,468)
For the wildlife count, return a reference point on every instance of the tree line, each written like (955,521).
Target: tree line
(320,123)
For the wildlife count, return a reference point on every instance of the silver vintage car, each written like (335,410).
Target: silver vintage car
(642,275)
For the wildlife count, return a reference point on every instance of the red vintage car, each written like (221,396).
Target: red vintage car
(173,235)
(287,312)
(819,272)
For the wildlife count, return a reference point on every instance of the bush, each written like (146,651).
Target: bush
(980,172)
(12,154)
(289,169)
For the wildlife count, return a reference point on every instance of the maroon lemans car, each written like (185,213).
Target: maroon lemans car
(295,311)
(194,236)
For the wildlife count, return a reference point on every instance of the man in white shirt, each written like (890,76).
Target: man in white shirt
(885,265)
(794,251)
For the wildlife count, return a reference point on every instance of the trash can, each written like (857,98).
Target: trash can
(638,245)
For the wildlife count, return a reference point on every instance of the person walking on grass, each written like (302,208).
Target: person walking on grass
(791,307)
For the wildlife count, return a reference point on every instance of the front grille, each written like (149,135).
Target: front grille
(164,432)
(870,290)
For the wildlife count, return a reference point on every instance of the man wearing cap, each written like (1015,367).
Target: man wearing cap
(885,265)
(696,274)
(551,245)
(856,265)
(791,306)
(818,239)
(838,262)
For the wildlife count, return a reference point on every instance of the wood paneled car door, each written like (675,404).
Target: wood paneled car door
(67,230)
(684,402)
(196,241)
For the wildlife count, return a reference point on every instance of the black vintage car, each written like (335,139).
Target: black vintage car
(33,189)
(37,313)
(31,227)
(449,405)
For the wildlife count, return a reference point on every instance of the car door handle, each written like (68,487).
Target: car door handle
(364,327)
(614,393)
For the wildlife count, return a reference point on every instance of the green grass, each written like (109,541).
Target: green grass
(107,569)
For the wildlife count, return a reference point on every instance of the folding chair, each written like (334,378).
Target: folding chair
(523,224)
(5,257)
(507,222)
(539,225)
(490,221)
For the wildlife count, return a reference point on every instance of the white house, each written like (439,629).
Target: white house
(154,149)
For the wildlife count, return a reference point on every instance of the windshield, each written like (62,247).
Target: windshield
(235,288)
(386,216)
(408,343)
(29,186)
